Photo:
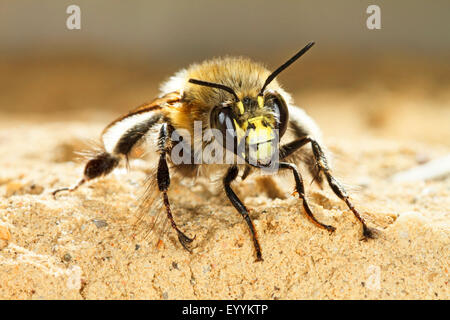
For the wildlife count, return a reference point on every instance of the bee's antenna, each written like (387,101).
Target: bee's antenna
(285,65)
(215,85)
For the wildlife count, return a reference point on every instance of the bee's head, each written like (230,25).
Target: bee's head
(251,127)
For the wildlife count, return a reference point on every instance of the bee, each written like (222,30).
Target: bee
(249,114)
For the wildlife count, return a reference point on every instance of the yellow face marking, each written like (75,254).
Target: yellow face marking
(261,136)
(258,135)
(260,101)
(240,105)
(264,151)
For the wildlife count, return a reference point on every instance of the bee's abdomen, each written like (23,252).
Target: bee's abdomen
(124,133)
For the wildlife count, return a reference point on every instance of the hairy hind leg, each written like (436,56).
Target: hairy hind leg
(119,138)
(98,166)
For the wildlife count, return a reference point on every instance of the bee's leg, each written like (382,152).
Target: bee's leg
(163,178)
(302,126)
(247,172)
(119,138)
(240,207)
(98,166)
(299,188)
(322,163)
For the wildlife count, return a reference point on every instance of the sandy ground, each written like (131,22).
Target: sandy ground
(83,245)
(80,246)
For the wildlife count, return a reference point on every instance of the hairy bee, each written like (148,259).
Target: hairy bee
(249,114)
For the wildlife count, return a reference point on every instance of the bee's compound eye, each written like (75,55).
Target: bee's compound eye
(276,103)
(222,120)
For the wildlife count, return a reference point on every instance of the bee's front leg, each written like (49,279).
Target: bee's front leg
(163,178)
(300,189)
(240,207)
(322,164)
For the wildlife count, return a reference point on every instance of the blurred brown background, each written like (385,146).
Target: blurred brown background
(393,81)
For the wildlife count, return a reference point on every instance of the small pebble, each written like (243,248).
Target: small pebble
(34,189)
(99,223)
(67,257)
(403,234)
(3,244)
(364,182)
(206,269)
(4,233)
(13,187)
(422,158)
(19,188)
